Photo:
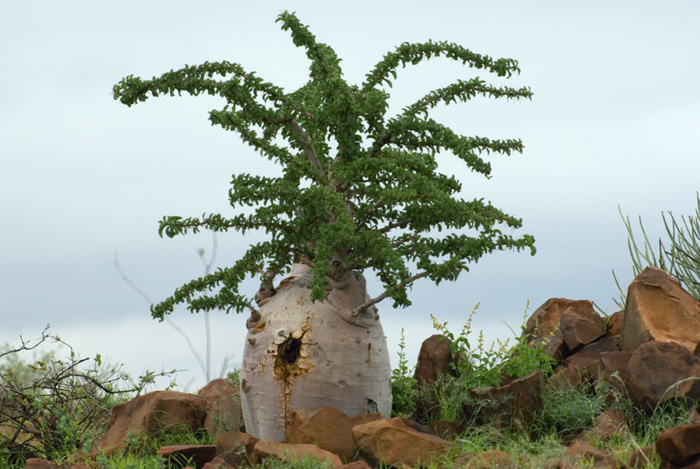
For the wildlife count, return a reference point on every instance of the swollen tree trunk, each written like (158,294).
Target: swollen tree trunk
(300,354)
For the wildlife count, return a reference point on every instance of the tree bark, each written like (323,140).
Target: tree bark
(301,354)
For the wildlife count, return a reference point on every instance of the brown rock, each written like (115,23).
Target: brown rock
(642,458)
(545,320)
(446,429)
(574,376)
(592,352)
(581,327)
(434,359)
(219,463)
(679,445)
(659,309)
(583,366)
(553,346)
(151,413)
(38,463)
(614,364)
(236,448)
(288,452)
(199,455)
(396,442)
(224,408)
(614,323)
(492,458)
(610,423)
(356,465)
(658,370)
(328,428)
(584,450)
(516,401)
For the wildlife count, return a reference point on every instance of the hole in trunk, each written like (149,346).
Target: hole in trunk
(289,350)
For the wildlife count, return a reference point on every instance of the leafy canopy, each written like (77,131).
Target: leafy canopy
(359,190)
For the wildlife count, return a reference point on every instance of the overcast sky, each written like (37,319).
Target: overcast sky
(613,122)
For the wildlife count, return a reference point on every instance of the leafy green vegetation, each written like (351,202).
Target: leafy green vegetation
(360,189)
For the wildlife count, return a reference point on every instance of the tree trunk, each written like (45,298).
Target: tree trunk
(300,354)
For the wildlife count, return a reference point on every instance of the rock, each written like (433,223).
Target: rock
(582,450)
(446,429)
(679,445)
(293,453)
(584,365)
(219,463)
(396,442)
(581,326)
(658,370)
(545,320)
(593,352)
(224,406)
(516,401)
(485,460)
(199,455)
(659,309)
(610,423)
(434,359)
(642,458)
(328,428)
(614,323)
(554,347)
(614,366)
(38,463)
(236,448)
(356,465)
(151,413)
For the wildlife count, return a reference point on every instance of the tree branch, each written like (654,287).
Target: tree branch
(307,146)
(363,307)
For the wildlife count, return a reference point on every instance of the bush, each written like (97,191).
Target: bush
(53,407)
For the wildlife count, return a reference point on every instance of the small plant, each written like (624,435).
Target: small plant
(681,259)
(403,385)
(479,367)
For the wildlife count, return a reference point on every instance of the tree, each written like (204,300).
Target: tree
(359,191)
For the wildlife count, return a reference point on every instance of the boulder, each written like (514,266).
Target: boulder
(236,448)
(593,352)
(614,366)
(545,320)
(610,423)
(151,413)
(328,428)
(580,327)
(658,371)
(293,453)
(434,359)
(614,323)
(679,445)
(397,442)
(199,455)
(38,463)
(218,463)
(659,309)
(224,407)
(507,404)
(356,465)
(485,460)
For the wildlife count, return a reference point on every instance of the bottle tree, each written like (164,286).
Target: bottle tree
(360,191)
